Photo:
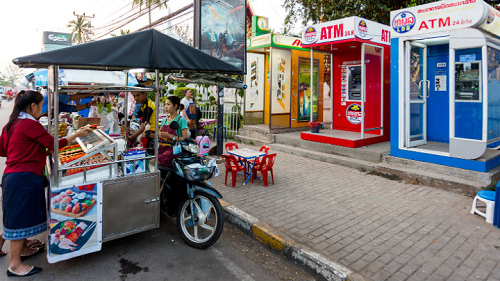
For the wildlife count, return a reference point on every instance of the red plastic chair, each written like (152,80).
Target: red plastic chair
(230,146)
(263,148)
(232,166)
(265,165)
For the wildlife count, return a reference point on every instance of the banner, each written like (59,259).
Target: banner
(223,30)
(254,94)
(305,89)
(437,16)
(75,217)
(281,89)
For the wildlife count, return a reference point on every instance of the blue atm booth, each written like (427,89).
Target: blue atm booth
(445,84)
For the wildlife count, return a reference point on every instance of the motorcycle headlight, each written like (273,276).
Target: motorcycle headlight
(191,147)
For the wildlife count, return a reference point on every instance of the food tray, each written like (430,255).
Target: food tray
(73,215)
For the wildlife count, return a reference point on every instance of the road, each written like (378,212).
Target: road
(161,254)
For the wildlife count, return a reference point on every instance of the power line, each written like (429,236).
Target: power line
(140,14)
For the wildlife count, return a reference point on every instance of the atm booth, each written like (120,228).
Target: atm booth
(278,98)
(445,88)
(359,50)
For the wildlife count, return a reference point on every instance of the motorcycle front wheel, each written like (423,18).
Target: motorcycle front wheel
(204,228)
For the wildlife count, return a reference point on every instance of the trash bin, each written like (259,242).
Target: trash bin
(496,213)
(314,127)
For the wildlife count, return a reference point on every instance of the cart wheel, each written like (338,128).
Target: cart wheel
(208,221)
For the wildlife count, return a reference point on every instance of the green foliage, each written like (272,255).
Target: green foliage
(179,92)
(376,10)
(211,99)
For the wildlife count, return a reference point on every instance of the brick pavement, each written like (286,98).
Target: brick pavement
(379,228)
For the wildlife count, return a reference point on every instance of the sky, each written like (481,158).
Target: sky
(23,21)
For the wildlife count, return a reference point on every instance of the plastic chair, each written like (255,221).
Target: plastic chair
(488,197)
(230,146)
(265,166)
(263,148)
(232,166)
(225,132)
(204,143)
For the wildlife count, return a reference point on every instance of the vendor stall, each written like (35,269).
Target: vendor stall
(278,97)
(445,88)
(99,191)
(359,98)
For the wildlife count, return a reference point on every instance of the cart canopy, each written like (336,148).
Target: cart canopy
(149,49)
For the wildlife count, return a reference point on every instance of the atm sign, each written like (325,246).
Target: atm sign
(403,22)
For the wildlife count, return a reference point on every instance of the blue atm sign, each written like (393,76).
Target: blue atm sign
(403,22)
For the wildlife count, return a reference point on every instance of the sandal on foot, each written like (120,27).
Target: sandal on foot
(25,257)
(36,244)
(34,270)
(3,253)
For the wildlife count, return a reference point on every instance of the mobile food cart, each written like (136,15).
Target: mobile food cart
(98,197)
(359,54)
(445,84)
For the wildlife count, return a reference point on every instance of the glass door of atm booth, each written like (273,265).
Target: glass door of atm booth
(416,89)
(371,77)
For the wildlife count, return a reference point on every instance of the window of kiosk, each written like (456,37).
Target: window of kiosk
(493,96)
(468,94)
(354,82)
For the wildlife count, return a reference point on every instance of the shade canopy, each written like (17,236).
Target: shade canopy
(149,49)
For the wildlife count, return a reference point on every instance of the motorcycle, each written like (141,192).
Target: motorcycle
(186,194)
(221,47)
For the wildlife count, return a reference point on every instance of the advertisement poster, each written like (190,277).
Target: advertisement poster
(254,94)
(75,216)
(305,89)
(222,30)
(281,64)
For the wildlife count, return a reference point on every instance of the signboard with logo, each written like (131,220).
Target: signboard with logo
(354,114)
(346,29)
(492,21)
(274,40)
(442,16)
(56,38)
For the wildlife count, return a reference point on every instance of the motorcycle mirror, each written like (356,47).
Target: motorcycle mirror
(174,125)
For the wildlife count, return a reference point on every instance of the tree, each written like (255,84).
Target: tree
(12,76)
(376,10)
(183,34)
(122,32)
(80,29)
(148,4)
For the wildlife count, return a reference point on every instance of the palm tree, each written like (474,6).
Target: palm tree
(148,4)
(80,29)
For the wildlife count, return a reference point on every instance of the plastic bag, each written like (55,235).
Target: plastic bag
(93,111)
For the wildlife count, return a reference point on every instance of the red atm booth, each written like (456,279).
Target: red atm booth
(359,94)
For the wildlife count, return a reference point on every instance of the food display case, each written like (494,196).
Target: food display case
(91,159)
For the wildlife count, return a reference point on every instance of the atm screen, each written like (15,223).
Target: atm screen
(354,82)
(467,81)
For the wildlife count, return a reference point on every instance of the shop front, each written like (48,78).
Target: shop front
(445,90)
(358,50)
(278,97)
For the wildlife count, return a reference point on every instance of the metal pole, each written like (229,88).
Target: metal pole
(157,108)
(363,89)
(55,81)
(220,120)
(271,74)
(312,87)
(331,89)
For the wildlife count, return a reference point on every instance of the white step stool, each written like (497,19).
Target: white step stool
(488,197)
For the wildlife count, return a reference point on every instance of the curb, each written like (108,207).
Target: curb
(281,243)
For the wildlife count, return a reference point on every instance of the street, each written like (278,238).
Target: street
(161,254)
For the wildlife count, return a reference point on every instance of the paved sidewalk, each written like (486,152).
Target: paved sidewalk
(378,228)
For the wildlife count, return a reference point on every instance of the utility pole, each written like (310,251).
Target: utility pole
(89,34)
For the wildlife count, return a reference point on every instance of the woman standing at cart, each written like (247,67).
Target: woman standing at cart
(24,142)
(165,151)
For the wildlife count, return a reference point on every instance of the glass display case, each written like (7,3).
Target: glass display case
(92,158)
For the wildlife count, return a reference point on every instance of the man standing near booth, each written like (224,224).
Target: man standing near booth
(147,116)
(189,111)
